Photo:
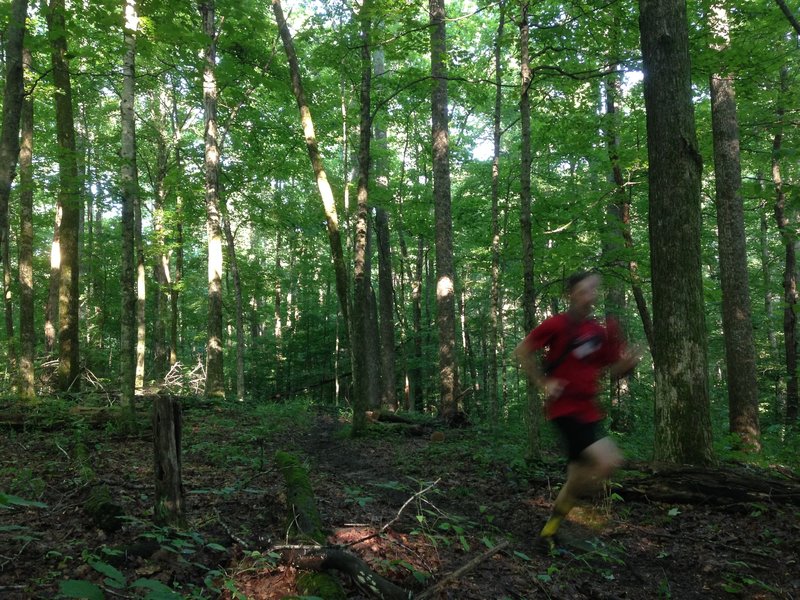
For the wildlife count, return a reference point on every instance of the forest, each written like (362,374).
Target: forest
(265,265)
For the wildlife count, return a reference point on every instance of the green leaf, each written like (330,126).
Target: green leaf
(215,546)
(77,588)
(674,512)
(158,591)
(8,499)
(522,555)
(114,577)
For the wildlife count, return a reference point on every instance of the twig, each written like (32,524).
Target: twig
(429,593)
(397,516)
(230,533)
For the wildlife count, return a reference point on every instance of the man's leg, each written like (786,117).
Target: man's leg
(596,463)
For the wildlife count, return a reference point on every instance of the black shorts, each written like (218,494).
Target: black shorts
(577,435)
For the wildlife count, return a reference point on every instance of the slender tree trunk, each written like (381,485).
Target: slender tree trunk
(386,293)
(385,286)
(417,375)
(765,276)
(27,332)
(161,358)
(445,273)
(326,193)
(51,309)
(129,186)
(215,376)
(494,310)
(279,350)
(683,421)
(9,150)
(70,200)
(737,326)
(175,289)
(790,268)
(528,293)
(361,273)
(237,286)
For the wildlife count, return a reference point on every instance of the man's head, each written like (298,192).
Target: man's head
(582,289)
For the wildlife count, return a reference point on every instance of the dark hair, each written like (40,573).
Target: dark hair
(576,278)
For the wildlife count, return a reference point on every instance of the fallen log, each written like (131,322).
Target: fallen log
(711,485)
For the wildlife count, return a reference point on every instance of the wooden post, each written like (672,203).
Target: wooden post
(168,507)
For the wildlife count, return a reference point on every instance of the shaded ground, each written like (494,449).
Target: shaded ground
(415,510)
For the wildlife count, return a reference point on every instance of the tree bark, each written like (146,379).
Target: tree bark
(534,410)
(129,187)
(326,193)
(169,494)
(215,376)
(790,267)
(70,200)
(494,310)
(161,268)
(737,326)
(386,295)
(51,308)
(9,148)
(416,371)
(237,287)
(682,407)
(445,273)
(27,332)
(362,376)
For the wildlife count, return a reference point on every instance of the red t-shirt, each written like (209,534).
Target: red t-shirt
(594,347)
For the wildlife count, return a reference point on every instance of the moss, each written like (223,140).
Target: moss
(304,520)
(322,585)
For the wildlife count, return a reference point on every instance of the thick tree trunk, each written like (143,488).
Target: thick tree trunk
(683,421)
(70,201)
(445,273)
(215,376)
(790,267)
(494,310)
(534,410)
(737,326)
(9,149)
(169,497)
(129,187)
(326,193)
(27,332)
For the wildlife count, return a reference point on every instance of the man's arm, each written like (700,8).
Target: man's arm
(529,363)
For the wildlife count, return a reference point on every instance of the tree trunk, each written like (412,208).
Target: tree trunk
(161,267)
(129,187)
(326,193)
(737,326)
(27,332)
(386,295)
(279,350)
(70,200)
(682,407)
(362,376)
(9,149)
(790,268)
(237,286)
(445,275)
(51,309)
(534,410)
(215,376)
(169,497)
(494,310)
(416,371)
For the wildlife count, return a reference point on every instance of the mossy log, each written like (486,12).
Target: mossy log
(306,524)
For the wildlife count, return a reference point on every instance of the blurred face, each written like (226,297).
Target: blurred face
(583,296)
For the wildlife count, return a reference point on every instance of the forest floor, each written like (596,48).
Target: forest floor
(415,510)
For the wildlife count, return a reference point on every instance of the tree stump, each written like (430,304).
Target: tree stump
(169,505)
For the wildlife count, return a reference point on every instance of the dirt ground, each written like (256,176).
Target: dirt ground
(415,510)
